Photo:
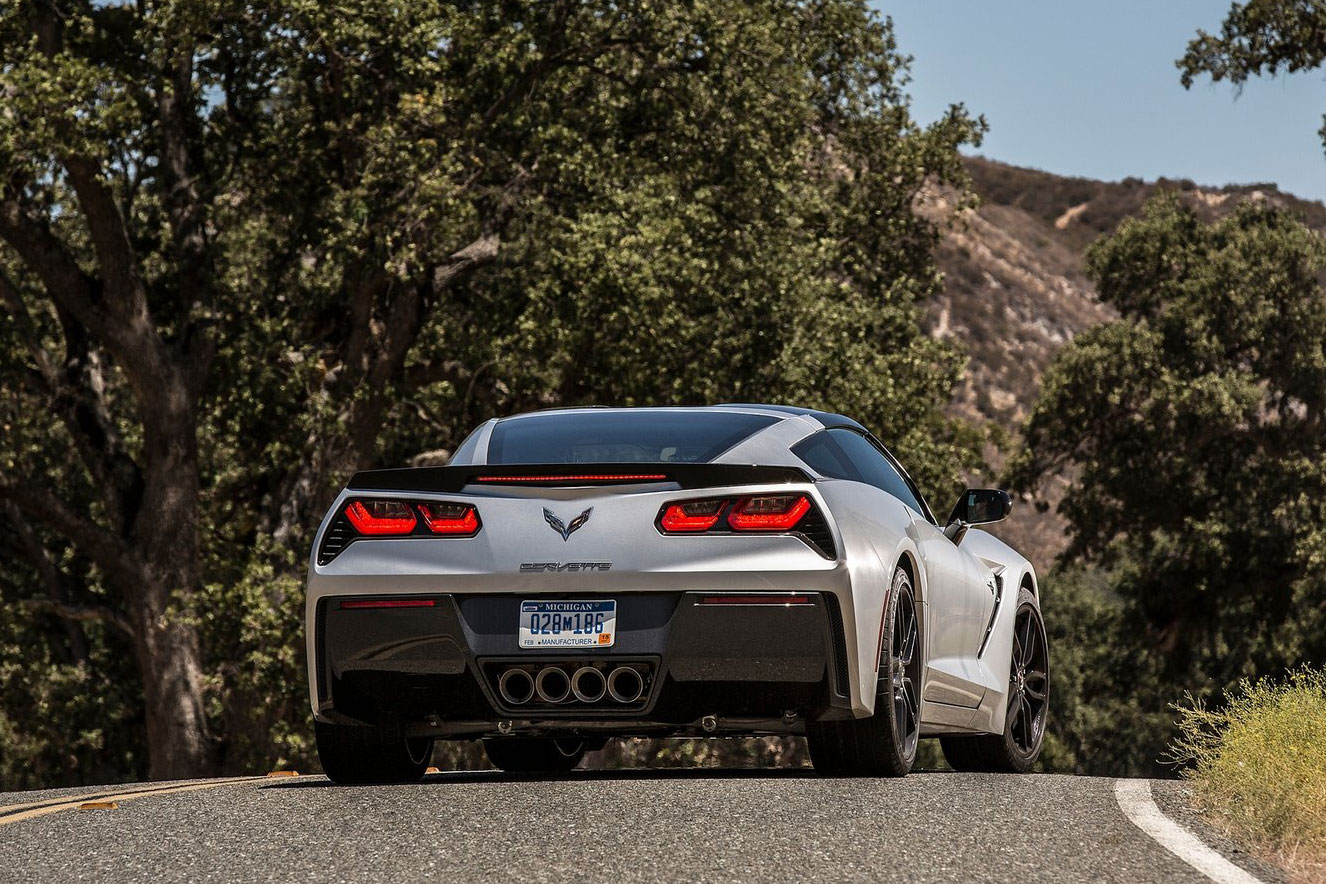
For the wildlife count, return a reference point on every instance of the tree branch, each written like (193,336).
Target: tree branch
(186,209)
(77,395)
(27,331)
(46,255)
(31,548)
(98,544)
(481,251)
(423,374)
(131,334)
(81,613)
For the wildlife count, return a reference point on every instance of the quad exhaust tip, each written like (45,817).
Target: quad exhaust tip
(516,687)
(552,685)
(588,685)
(625,684)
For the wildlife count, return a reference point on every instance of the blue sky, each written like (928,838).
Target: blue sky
(1090,88)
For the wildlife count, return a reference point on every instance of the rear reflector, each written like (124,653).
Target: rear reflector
(381,517)
(774,513)
(770,598)
(387,603)
(567,479)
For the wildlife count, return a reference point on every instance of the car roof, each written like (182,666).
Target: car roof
(828,419)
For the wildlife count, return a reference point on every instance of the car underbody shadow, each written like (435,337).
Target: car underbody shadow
(592,776)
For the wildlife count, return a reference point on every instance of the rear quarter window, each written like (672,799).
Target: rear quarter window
(846,454)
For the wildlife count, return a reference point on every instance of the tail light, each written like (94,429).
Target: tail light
(780,513)
(753,514)
(375,517)
(366,518)
(450,518)
(381,518)
(691,516)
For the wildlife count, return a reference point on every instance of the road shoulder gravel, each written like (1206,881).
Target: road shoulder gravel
(1174,798)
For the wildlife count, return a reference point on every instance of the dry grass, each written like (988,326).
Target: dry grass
(1258,766)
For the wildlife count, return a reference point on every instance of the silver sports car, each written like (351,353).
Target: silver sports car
(582,574)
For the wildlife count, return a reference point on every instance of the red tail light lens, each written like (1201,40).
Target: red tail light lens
(381,517)
(449,518)
(773,513)
(692,515)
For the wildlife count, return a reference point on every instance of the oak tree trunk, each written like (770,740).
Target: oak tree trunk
(179,742)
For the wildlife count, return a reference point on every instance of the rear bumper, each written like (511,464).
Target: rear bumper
(707,668)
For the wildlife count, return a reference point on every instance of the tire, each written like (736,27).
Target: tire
(884,744)
(528,755)
(362,755)
(1018,747)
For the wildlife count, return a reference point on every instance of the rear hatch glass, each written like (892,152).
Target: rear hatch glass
(621,436)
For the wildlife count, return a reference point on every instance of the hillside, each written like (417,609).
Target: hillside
(1015,290)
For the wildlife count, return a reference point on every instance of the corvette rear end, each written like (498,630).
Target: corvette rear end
(535,600)
(581,574)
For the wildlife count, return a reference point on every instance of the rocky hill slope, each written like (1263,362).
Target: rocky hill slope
(1015,291)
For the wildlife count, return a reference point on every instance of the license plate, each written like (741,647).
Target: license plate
(570,624)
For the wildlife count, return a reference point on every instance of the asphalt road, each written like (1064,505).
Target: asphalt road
(694,825)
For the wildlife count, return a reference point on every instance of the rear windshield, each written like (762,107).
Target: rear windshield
(621,437)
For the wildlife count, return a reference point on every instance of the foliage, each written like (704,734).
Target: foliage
(782,752)
(1196,427)
(1258,764)
(1260,37)
(64,719)
(248,248)
(1108,714)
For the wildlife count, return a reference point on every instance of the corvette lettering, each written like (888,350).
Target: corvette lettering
(555,567)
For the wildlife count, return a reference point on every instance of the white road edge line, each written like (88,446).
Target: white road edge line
(1135,801)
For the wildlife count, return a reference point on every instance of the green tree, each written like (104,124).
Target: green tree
(1196,427)
(1260,37)
(248,248)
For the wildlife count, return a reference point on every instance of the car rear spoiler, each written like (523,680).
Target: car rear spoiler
(688,475)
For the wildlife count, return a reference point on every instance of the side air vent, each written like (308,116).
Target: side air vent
(320,653)
(840,677)
(338,536)
(816,532)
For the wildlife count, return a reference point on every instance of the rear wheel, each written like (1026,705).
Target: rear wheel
(1018,747)
(360,754)
(526,755)
(885,743)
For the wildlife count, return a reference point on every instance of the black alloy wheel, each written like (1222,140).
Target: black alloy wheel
(903,676)
(1028,682)
(885,743)
(1018,747)
(363,755)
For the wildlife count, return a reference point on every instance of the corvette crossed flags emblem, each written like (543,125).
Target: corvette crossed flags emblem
(564,529)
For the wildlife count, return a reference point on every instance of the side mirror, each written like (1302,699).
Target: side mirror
(977,506)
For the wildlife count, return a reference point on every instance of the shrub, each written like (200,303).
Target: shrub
(1259,765)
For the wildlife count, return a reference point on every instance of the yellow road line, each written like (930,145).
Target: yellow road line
(42,808)
(86,796)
